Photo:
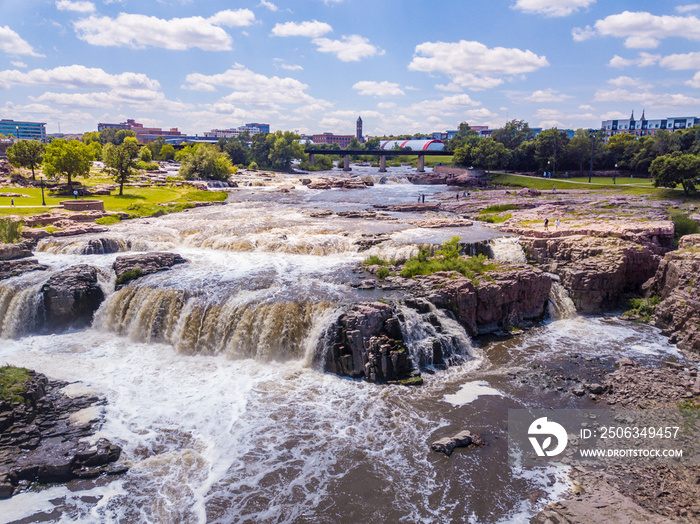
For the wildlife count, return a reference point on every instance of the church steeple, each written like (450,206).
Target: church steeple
(643,115)
(632,117)
(358,133)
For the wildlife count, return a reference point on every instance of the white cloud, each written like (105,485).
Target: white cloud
(386,105)
(78,6)
(12,44)
(547,95)
(626,81)
(289,67)
(681,61)
(378,89)
(17,63)
(253,89)
(311,29)
(646,98)
(643,30)
(269,5)
(552,7)
(139,31)
(447,104)
(560,119)
(695,81)
(143,99)
(644,60)
(76,77)
(75,120)
(581,34)
(472,64)
(352,48)
(687,8)
(586,107)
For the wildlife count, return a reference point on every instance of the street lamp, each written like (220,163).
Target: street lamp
(615,175)
(17,132)
(593,136)
(43,202)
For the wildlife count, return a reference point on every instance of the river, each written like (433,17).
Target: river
(214,389)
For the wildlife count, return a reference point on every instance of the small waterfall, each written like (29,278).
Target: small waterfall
(240,325)
(21,310)
(433,338)
(507,249)
(92,246)
(476,248)
(560,305)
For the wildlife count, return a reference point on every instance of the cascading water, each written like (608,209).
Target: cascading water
(560,305)
(507,249)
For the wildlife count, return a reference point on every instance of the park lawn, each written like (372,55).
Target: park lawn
(641,182)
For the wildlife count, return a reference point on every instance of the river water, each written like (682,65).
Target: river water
(213,387)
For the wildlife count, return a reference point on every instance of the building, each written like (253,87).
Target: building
(251,129)
(23,130)
(358,130)
(414,145)
(143,134)
(329,138)
(644,127)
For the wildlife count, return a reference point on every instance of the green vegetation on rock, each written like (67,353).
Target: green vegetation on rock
(13,383)
(642,308)
(129,275)
(447,258)
(10,230)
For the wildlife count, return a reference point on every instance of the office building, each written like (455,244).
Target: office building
(23,130)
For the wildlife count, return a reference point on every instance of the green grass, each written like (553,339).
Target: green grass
(374,260)
(642,308)
(684,225)
(107,221)
(10,230)
(13,383)
(129,275)
(495,219)
(641,182)
(499,208)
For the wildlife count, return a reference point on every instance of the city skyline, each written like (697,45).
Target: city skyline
(316,67)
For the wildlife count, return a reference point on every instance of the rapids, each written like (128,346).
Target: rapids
(210,371)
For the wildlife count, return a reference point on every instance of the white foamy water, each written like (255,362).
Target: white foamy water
(470,391)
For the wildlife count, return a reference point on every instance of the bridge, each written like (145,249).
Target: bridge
(381,153)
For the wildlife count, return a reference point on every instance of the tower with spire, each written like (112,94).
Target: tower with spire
(358,132)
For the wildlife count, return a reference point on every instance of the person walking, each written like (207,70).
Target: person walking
(546,224)
(556,224)
(12,202)
(423,198)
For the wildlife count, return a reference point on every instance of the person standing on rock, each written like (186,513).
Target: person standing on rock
(546,224)
(556,224)
(423,198)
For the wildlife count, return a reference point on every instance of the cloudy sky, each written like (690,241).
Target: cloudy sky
(313,66)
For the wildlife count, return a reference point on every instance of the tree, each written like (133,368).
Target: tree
(26,153)
(205,161)
(156,146)
(92,136)
(623,147)
(514,133)
(167,152)
(67,158)
(579,149)
(260,149)
(549,148)
(490,154)
(676,168)
(285,148)
(120,160)
(115,136)
(465,135)
(236,149)
(145,154)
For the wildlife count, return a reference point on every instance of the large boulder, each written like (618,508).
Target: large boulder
(677,284)
(71,297)
(597,272)
(13,268)
(15,251)
(496,302)
(366,342)
(131,267)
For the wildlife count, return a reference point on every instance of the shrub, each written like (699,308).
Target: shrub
(447,258)
(642,308)
(383,272)
(253,166)
(374,260)
(109,220)
(129,275)
(499,208)
(684,225)
(496,219)
(10,230)
(147,166)
(12,383)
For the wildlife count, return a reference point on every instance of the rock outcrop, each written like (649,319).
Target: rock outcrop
(42,437)
(15,251)
(13,268)
(71,297)
(366,342)
(677,284)
(130,267)
(463,439)
(496,302)
(597,272)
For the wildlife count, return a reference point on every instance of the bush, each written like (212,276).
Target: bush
(109,220)
(684,225)
(383,272)
(147,166)
(374,260)
(12,383)
(253,166)
(153,210)
(129,275)
(496,219)
(447,258)
(642,308)
(10,230)
(499,208)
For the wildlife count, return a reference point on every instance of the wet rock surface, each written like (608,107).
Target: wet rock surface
(44,439)
(463,439)
(71,297)
(13,268)
(15,251)
(677,284)
(130,267)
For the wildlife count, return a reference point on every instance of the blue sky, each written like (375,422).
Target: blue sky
(314,66)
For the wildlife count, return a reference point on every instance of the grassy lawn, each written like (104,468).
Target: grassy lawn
(149,196)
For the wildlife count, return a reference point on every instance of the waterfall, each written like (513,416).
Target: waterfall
(239,325)
(507,249)
(20,310)
(81,246)
(560,305)
(433,338)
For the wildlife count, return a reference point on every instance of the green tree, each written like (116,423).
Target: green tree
(514,133)
(89,138)
(579,148)
(26,153)
(490,154)
(145,154)
(120,160)
(465,135)
(205,161)
(676,168)
(549,148)
(167,152)
(96,149)
(67,158)
(372,144)
(156,146)
(115,136)
(236,149)
(284,148)
(623,147)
